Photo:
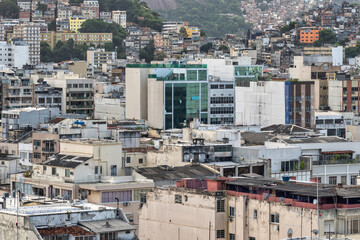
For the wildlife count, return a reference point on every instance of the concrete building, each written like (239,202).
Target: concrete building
(26,153)
(273,102)
(66,221)
(119,17)
(46,96)
(89,38)
(75,24)
(17,92)
(98,57)
(44,145)
(210,209)
(77,93)
(168,96)
(109,108)
(30,34)
(9,165)
(221,102)
(26,118)
(15,54)
(332,122)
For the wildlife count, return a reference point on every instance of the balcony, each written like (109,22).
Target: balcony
(48,149)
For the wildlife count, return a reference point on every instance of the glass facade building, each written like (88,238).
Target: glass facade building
(185,94)
(245,74)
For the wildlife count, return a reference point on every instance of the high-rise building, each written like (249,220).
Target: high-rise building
(167,95)
(119,17)
(30,34)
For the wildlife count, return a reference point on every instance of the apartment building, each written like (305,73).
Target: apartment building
(90,9)
(17,93)
(15,54)
(89,38)
(119,17)
(30,34)
(25,119)
(332,122)
(173,26)
(98,57)
(167,95)
(44,145)
(221,102)
(75,24)
(2,32)
(47,96)
(309,34)
(77,93)
(106,17)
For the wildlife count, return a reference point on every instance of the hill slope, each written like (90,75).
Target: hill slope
(215,17)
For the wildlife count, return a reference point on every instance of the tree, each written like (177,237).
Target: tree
(52,25)
(183,32)
(46,54)
(41,7)
(288,27)
(224,49)
(9,9)
(205,48)
(326,36)
(147,53)
(160,56)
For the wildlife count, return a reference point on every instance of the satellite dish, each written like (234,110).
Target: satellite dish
(289,232)
(315,231)
(315,201)
(282,199)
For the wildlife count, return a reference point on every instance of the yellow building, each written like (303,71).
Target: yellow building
(191,30)
(75,24)
(89,38)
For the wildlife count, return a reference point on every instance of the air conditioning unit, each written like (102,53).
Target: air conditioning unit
(126,204)
(230,219)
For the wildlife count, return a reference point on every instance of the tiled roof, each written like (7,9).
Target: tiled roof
(73,230)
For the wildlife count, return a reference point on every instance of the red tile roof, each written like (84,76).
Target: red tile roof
(74,231)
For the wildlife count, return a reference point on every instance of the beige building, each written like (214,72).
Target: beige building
(77,93)
(249,208)
(29,33)
(45,144)
(89,38)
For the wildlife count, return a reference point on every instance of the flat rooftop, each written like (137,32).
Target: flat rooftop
(314,140)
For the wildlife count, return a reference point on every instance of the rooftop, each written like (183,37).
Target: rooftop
(313,140)
(73,230)
(108,225)
(285,129)
(166,65)
(165,172)
(66,161)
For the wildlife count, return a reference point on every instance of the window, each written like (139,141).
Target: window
(113,170)
(37,155)
(220,205)
(100,169)
(36,143)
(353,180)
(231,212)
(128,159)
(123,196)
(96,169)
(67,172)
(353,226)
(329,226)
(252,238)
(53,171)
(333,180)
(274,218)
(178,199)
(255,214)
(220,233)
(343,180)
(231,236)
(108,235)
(140,160)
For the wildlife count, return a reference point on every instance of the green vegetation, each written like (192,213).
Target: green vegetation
(99,26)
(288,27)
(352,52)
(148,52)
(9,9)
(136,12)
(215,17)
(52,25)
(63,51)
(206,47)
(326,36)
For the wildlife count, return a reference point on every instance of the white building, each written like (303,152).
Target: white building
(119,17)
(337,56)
(263,103)
(333,123)
(15,54)
(98,57)
(109,108)
(29,33)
